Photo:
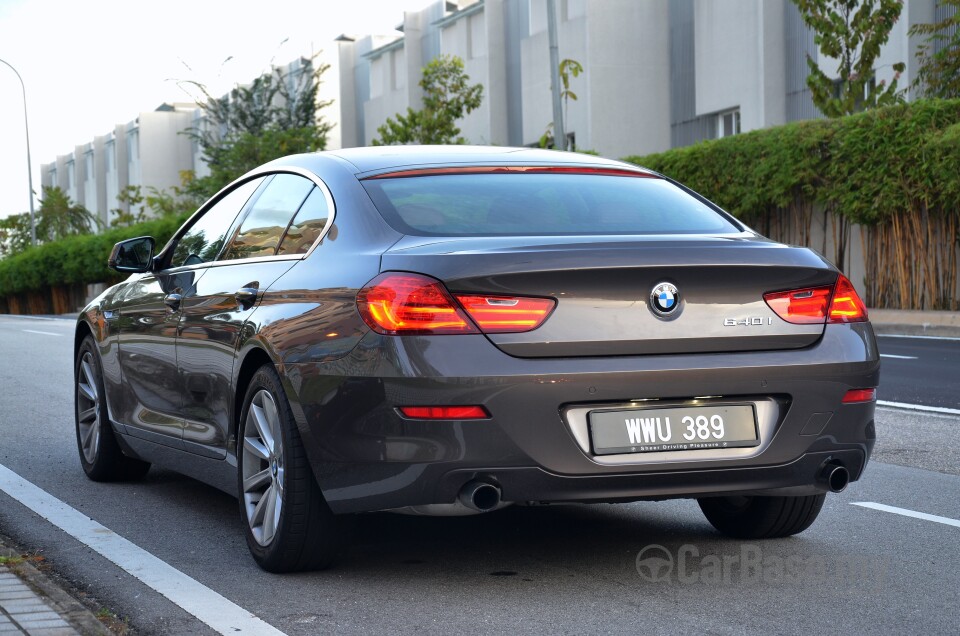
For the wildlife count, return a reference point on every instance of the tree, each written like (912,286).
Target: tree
(568,68)
(939,72)
(59,217)
(448,96)
(155,203)
(14,234)
(276,115)
(852,32)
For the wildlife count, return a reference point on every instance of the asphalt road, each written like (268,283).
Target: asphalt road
(557,569)
(920,371)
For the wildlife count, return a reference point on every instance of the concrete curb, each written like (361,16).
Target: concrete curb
(70,609)
(916,323)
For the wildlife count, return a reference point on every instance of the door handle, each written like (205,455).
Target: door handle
(246,296)
(172,301)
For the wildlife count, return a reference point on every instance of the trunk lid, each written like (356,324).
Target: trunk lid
(603,285)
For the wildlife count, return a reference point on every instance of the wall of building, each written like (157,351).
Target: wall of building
(164,149)
(627,91)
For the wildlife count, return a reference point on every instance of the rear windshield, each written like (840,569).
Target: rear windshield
(541,204)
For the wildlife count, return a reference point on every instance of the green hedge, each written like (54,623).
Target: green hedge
(866,167)
(76,259)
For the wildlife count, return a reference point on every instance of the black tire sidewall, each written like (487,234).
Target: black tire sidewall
(282,554)
(95,468)
(763,517)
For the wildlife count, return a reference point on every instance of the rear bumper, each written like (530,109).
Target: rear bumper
(367,457)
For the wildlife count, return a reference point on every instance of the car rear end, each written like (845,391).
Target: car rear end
(587,333)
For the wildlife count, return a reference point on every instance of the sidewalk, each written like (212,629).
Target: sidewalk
(916,323)
(32,604)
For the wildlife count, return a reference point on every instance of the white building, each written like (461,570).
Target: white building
(657,73)
(153,150)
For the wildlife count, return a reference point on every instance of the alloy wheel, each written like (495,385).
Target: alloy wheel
(88,408)
(263,467)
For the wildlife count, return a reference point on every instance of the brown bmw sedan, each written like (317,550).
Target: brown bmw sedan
(452,330)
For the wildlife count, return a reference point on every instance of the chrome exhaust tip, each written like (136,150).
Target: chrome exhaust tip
(834,477)
(480,496)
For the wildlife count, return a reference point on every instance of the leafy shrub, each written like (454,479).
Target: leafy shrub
(76,259)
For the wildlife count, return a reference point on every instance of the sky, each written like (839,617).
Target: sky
(91,64)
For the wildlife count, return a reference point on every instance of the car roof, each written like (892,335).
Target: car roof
(389,158)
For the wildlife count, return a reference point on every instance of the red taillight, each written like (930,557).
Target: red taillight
(846,305)
(445,412)
(801,306)
(839,303)
(397,303)
(854,396)
(507,314)
(401,303)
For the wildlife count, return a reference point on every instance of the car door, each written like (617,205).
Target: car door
(263,245)
(149,315)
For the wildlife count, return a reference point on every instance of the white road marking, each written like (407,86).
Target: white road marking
(222,615)
(908,513)
(897,335)
(890,355)
(919,407)
(45,333)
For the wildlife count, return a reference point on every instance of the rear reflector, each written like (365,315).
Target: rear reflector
(833,304)
(401,303)
(854,396)
(445,412)
(507,314)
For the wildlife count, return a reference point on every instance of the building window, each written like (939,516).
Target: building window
(728,123)
(88,166)
(858,102)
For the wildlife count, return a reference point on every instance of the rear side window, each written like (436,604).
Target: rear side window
(262,229)
(499,204)
(307,225)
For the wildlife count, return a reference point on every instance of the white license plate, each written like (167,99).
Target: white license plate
(647,430)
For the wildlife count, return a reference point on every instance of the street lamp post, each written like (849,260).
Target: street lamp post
(26,127)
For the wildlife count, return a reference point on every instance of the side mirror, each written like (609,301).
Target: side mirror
(133,255)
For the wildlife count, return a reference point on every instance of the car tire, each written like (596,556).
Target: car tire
(100,454)
(287,523)
(761,517)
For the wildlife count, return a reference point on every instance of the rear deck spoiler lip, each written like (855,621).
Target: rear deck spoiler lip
(430,171)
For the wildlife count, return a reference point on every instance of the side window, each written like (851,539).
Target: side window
(307,225)
(202,242)
(260,232)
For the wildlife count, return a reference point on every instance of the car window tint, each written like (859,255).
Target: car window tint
(307,225)
(202,242)
(537,204)
(260,232)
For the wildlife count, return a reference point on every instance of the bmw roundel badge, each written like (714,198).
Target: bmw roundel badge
(664,299)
